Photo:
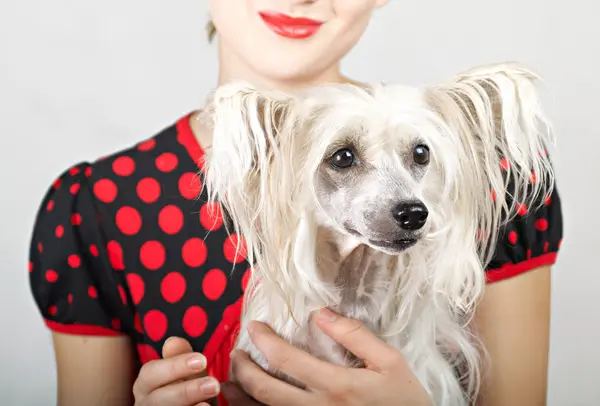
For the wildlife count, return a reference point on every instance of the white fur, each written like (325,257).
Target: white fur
(267,149)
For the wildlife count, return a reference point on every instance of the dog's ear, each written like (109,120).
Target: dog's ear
(249,125)
(495,113)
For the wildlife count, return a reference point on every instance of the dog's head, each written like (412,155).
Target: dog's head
(387,165)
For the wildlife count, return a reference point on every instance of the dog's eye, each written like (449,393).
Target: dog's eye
(344,158)
(421,154)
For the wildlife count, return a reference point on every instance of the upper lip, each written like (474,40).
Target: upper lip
(288,20)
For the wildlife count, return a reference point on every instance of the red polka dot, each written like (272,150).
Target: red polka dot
(51,275)
(521,209)
(137,323)
(122,294)
(194,252)
(235,249)
(70,298)
(189,185)
(147,145)
(528,255)
(74,171)
(504,164)
(50,205)
(546,246)
(136,287)
(76,219)
(155,324)
(170,219)
(148,190)
(88,172)
(194,321)
(548,200)
(115,255)
(173,287)
(74,261)
(512,237)
(40,247)
(105,190)
(30,266)
(94,250)
(533,178)
(152,255)
(74,188)
(123,166)
(166,162)
(541,224)
(60,231)
(128,220)
(52,310)
(493,195)
(246,279)
(116,324)
(93,292)
(57,183)
(214,284)
(211,216)
(147,353)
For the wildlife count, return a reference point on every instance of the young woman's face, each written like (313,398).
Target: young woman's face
(290,40)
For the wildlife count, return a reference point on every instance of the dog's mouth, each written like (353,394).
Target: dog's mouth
(394,245)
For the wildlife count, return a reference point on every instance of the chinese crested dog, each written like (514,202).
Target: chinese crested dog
(383,203)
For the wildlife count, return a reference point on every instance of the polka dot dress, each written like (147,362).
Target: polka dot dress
(127,246)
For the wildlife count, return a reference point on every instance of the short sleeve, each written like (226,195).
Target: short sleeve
(530,240)
(73,284)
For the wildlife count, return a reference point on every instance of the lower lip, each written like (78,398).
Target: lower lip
(396,245)
(288,27)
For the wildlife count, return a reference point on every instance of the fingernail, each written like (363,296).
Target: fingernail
(210,387)
(327,315)
(197,362)
(168,339)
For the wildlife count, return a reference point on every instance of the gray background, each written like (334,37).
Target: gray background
(80,79)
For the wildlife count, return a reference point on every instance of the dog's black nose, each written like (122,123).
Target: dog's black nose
(410,216)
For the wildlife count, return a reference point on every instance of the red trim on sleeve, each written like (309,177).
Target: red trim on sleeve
(81,329)
(509,270)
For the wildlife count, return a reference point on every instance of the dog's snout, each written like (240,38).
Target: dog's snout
(410,216)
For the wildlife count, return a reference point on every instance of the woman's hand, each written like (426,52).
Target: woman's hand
(386,380)
(176,380)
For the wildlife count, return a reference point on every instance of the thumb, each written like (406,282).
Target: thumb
(175,346)
(359,340)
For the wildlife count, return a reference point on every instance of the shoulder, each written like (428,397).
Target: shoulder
(530,240)
(152,258)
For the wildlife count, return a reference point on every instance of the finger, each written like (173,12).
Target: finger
(235,396)
(262,386)
(292,361)
(186,393)
(158,373)
(175,346)
(359,340)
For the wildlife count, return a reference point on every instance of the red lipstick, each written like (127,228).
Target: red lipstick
(290,27)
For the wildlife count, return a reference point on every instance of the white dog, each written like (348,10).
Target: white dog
(382,203)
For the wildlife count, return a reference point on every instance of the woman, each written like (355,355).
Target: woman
(124,255)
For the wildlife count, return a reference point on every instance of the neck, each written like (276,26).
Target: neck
(232,68)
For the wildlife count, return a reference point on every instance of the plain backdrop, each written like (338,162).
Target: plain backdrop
(80,79)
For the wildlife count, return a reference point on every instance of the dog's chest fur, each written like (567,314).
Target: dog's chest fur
(360,276)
